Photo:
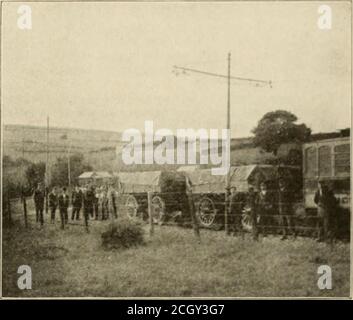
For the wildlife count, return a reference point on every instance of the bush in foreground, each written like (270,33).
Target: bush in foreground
(123,234)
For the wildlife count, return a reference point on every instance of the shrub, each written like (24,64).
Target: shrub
(123,234)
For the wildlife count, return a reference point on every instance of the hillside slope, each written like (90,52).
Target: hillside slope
(100,147)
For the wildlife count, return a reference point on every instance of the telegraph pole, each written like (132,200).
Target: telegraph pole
(47,170)
(226,209)
(47,161)
(23,176)
(69,165)
(229,77)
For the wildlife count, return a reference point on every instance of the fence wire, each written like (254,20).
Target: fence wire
(173,208)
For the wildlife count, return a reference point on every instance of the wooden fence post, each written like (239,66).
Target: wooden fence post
(226,212)
(46,200)
(150,217)
(195,224)
(9,208)
(25,209)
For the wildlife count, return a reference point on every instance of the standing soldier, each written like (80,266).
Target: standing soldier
(236,206)
(264,208)
(100,193)
(88,202)
(285,210)
(53,203)
(105,204)
(76,200)
(38,197)
(326,204)
(111,197)
(101,202)
(63,206)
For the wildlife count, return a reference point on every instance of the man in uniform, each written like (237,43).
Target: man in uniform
(326,205)
(251,206)
(264,208)
(63,206)
(76,200)
(285,209)
(53,203)
(88,202)
(39,203)
(112,198)
(105,204)
(236,206)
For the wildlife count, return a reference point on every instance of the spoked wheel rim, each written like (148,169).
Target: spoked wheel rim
(131,207)
(207,212)
(158,209)
(246,221)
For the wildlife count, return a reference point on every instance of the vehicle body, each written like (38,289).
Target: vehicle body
(209,190)
(328,160)
(97,178)
(167,188)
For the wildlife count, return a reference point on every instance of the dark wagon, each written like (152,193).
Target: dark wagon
(209,190)
(168,194)
(328,161)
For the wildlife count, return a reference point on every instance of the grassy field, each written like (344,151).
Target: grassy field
(73,263)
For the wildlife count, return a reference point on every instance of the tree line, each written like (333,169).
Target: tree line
(20,176)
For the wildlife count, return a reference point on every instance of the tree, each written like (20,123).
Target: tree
(7,161)
(60,171)
(279,127)
(35,173)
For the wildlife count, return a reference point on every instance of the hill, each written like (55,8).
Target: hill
(30,142)
(100,147)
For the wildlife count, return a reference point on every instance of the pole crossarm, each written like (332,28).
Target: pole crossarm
(229,77)
(257,82)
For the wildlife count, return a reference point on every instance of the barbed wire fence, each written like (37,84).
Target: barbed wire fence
(177,209)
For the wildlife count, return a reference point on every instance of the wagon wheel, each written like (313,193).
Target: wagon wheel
(158,209)
(246,221)
(131,206)
(206,212)
(299,211)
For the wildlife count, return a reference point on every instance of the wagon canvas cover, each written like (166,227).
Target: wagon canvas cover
(241,177)
(154,181)
(140,181)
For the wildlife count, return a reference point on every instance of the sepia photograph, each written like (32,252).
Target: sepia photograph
(176,150)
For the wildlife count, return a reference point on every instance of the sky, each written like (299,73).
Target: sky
(109,66)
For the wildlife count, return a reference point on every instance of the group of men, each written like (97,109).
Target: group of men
(270,210)
(94,201)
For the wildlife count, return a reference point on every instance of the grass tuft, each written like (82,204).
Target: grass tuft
(123,234)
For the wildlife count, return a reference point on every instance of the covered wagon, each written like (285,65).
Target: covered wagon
(209,191)
(167,188)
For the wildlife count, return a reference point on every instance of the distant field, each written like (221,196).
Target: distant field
(72,263)
(98,147)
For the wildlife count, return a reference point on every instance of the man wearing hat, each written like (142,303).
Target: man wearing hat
(236,205)
(63,206)
(38,197)
(88,203)
(53,203)
(76,200)
(326,205)
(264,207)
(285,209)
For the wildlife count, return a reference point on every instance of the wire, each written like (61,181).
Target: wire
(184,70)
